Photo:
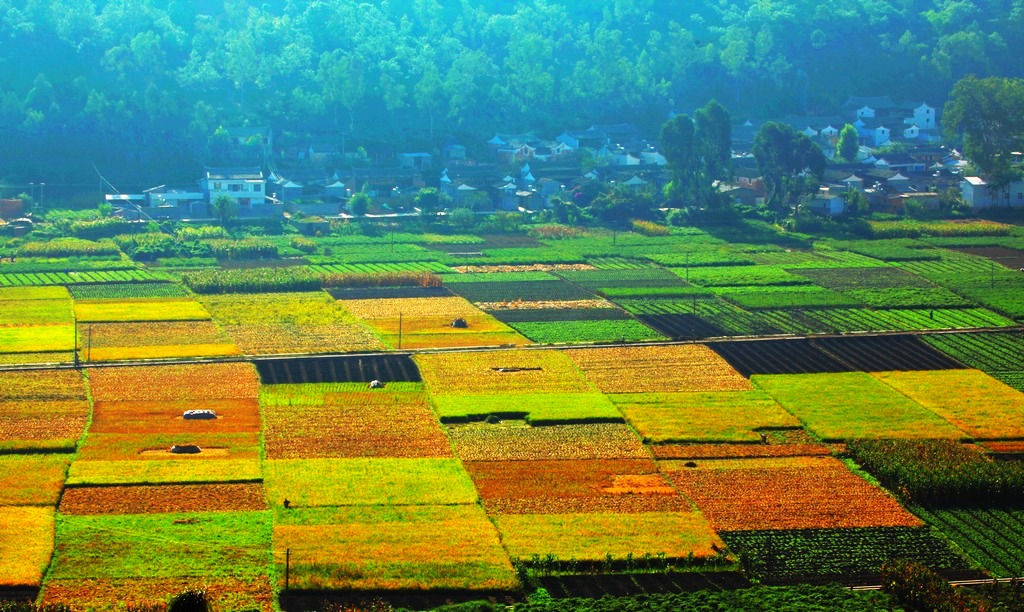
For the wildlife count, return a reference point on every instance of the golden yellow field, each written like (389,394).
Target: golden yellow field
(648,369)
(590,537)
(32,479)
(505,372)
(26,542)
(399,547)
(427,322)
(175,382)
(152,340)
(148,309)
(975,402)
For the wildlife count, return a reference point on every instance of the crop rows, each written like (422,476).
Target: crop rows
(790,356)
(121,291)
(585,331)
(370,268)
(386,368)
(993,537)
(941,473)
(991,352)
(883,353)
(71,278)
(845,555)
(657,369)
(510,291)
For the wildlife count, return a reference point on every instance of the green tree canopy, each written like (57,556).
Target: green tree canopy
(848,144)
(789,162)
(989,113)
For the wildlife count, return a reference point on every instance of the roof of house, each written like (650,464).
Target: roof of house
(238,174)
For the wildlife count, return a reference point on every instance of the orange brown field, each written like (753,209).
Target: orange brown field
(112,593)
(133,340)
(560,487)
(42,409)
(157,447)
(233,416)
(175,382)
(736,451)
(652,369)
(377,423)
(515,442)
(785,493)
(163,498)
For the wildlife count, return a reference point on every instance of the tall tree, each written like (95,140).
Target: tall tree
(679,146)
(790,163)
(848,144)
(714,135)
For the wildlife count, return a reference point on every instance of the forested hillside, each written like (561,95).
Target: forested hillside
(138,87)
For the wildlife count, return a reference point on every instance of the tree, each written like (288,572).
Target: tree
(428,200)
(713,130)
(359,204)
(678,145)
(789,162)
(848,144)
(989,113)
(225,209)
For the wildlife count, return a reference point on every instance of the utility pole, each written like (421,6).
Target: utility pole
(287,564)
(399,331)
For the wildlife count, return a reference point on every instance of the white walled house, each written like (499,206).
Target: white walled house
(247,186)
(924,117)
(977,193)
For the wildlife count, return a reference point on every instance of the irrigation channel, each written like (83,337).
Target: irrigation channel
(265,363)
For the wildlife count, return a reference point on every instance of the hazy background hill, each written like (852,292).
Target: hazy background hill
(139,87)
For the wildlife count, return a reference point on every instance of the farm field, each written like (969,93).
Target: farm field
(474,472)
(854,405)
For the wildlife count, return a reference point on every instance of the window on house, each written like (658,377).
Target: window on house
(216,186)
(236,187)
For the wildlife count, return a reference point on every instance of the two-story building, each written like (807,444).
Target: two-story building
(246,186)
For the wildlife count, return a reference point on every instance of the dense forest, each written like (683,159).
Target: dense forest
(137,87)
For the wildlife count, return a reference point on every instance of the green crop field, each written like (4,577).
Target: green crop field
(853,405)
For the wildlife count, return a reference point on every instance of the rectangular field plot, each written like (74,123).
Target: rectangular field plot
(149,309)
(506,373)
(797,356)
(969,399)
(152,340)
(37,339)
(853,405)
(175,383)
(154,556)
(845,555)
(316,421)
(803,448)
(157,447)
(513,441)
(428,322)
(596,536)
(182,469)
(851,279)
(885,353)
(514,287)
(44,409)
(785,493)
(232,497)
(741,276)
(126,291)
(33,479)
(657,369)
(367,482)
(265,324)
(26,543)
(992,537)
(402,547)
(356,369)
(36,311)
(561,487)
(733,416)
(139,417)
(535,408)
(545,332)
